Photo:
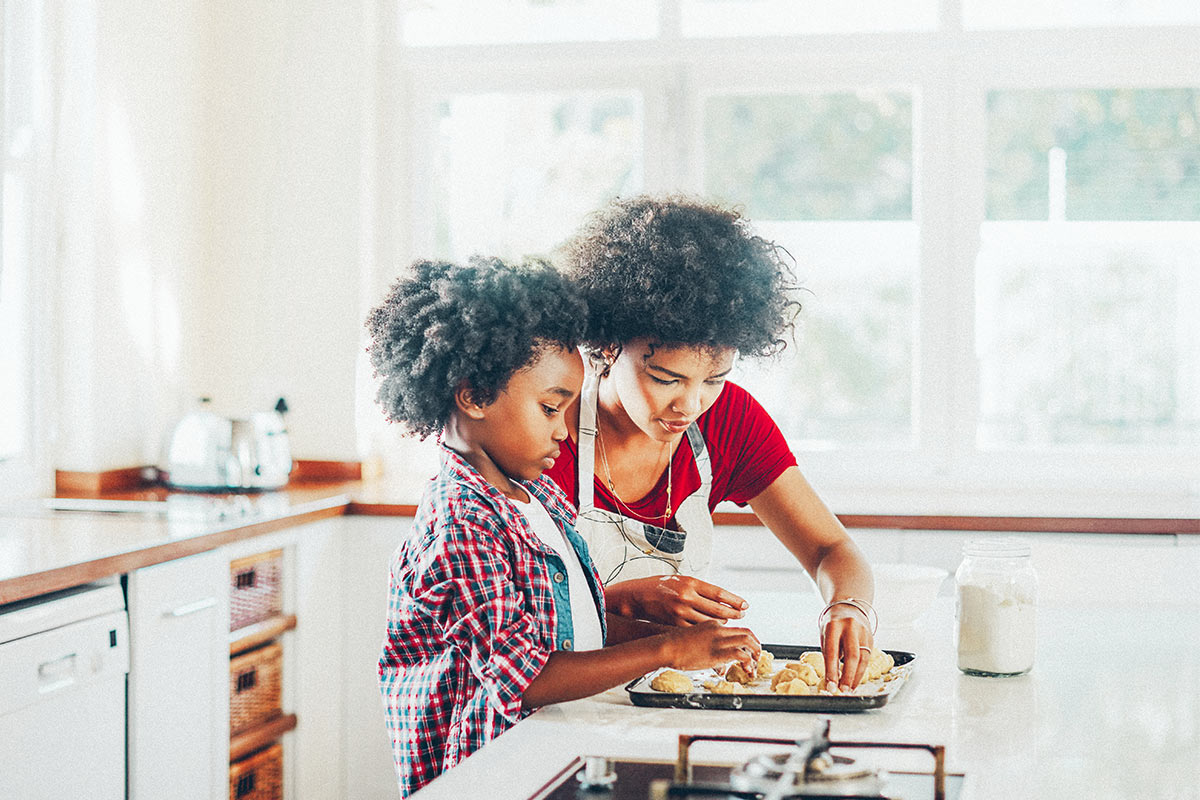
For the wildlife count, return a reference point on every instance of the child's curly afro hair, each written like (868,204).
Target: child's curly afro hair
(443,326)
(680,271)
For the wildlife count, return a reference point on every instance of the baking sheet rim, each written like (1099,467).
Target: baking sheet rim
(762,701)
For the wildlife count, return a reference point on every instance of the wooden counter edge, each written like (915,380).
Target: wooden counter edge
(75,574)
(914,522)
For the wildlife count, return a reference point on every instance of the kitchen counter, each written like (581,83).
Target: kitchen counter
(1110,710)
(44,548)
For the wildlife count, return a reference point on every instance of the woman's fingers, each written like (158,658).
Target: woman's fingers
(690,600)
(724,597)
(707,609)
(846,645)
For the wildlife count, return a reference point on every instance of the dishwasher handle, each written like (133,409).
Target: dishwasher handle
(191,608)
(57,673)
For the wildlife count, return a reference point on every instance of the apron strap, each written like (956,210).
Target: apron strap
(586,445)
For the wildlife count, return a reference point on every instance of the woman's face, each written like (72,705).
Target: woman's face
(663,389)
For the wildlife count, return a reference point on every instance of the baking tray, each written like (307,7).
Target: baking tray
(642,695)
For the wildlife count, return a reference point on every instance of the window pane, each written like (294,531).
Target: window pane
(838,156)
(1106,154)
(829,177)
(848,378)
(702,18)
(1088,334)
(450,22)
(1078,13)
(1086,323)
(515,174)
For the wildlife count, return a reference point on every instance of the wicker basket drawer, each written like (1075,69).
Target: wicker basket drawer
(255,589)
(255,687)
(258,776)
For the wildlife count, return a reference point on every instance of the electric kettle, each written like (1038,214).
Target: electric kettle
(211,453)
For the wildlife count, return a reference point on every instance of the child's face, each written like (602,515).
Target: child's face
(526,423)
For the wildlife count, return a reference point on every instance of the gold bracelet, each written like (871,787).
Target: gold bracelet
(866,608)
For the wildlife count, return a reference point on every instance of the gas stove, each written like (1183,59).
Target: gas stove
(809,768)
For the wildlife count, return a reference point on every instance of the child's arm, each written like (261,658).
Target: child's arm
(570,676)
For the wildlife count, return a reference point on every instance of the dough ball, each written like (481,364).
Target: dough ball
(807,674)
(736,673)
(879,663)
(783,676)
(722,687)
(816,660)
(795,686)
(766,664)
(671,681)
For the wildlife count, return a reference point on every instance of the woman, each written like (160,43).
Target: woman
(676,290)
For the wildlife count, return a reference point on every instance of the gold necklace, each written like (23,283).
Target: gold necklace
(613,489)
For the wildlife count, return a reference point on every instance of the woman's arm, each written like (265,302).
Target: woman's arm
(570,676)
(806,527)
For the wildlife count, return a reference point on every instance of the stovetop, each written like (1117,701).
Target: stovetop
(815,767)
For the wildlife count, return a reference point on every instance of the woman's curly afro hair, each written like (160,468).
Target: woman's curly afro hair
(443,326)
(680,271)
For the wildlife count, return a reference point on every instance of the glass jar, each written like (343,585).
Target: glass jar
(996,608)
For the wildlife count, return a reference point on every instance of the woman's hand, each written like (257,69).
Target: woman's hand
(710,644)
(846,643)
(673,600)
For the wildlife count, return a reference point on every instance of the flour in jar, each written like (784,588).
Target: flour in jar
(997,633)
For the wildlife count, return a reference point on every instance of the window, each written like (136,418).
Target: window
(1078,14)
(1092,237)
(717,18)
(454,22)
(829,176)
(997,228)
(512,171)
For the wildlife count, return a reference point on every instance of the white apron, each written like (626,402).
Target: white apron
(624,548)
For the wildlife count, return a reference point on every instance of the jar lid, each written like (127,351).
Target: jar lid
(1000,547)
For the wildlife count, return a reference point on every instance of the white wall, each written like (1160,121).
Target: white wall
(213,202)
(126,161)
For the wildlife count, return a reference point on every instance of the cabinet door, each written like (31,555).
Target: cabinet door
(178,679)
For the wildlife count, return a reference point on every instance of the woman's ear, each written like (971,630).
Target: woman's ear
(465,402)
(608,356)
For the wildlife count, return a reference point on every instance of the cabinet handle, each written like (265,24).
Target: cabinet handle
(192,608)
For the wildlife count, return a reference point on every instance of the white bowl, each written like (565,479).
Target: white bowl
(903,592)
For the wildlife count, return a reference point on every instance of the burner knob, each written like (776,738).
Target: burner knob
(597,774)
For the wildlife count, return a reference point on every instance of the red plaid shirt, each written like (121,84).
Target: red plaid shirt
(477,603)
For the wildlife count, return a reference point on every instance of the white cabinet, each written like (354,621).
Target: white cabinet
(368,544)
(178,679)
(335,580)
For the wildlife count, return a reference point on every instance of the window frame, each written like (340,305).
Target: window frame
(950,71)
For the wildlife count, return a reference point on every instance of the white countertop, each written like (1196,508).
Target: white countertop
(1110,710)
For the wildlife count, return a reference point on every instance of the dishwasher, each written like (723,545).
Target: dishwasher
(64,658)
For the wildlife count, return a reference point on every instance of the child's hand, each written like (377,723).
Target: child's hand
(709,644)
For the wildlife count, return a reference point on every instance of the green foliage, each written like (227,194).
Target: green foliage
(833,156)
(1131,154)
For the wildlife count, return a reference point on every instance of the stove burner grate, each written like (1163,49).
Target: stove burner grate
(806,771)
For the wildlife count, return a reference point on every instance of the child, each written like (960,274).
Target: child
(495,608)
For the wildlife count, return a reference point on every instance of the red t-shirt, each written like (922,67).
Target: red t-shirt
(746,447)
